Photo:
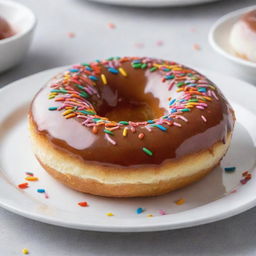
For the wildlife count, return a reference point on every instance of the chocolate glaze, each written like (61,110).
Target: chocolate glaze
(250,19)
(5,29)
(143,91)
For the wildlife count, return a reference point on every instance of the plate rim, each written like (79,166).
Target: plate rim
(110,227)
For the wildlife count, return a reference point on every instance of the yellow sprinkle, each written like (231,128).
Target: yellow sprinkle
(70,115)
(125,130)
(25,251)
(31,178)
(104,79)
(122,71)
(180,89)
(212,87)
(189,106)
(208,98)
(51,97)
(180,201)
(109,214)
(149,215)
(67,112)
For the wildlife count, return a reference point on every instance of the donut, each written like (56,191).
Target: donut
(129,127)
(243,36)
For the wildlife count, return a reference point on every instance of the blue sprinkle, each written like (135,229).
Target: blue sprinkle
(150,122)
(113,70)
(169,77)
(162,128)
(94,78)
(73,70)
(183,100)
(230,169)
(136,61)
(172,101)
(139,210)
(173,110)
(192,85)
(202,89)
(41,190)
(166,69)
(88,68)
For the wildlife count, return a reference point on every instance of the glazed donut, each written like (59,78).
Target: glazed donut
(130,127)
(243,36)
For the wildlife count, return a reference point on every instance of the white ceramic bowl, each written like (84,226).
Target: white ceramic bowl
(23,21)
(219,40)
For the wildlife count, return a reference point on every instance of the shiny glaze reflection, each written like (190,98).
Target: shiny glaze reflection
(138,88)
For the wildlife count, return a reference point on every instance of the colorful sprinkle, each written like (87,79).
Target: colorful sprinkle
(162,212)
(31,178)
(25,251)
(52,108)
(23,185)
(204,118)
(141,136)
(139,210)
(147,151)
(149,215)
(229,169)
(125,131)
(122,71)
(162,128)
(180,201)
(40,190)
(111,25)
(104,79)
(109,214)
(83,204)
(110,139)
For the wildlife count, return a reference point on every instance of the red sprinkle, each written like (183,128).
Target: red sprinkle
(71,35)
(141,136)
(111,25)
(83,204)
(23,185)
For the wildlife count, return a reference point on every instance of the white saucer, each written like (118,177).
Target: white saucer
(219,40)
(154,3)
(206,201)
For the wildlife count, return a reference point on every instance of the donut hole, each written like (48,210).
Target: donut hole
(132,110)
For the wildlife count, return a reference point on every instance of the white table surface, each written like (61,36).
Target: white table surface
(179,29)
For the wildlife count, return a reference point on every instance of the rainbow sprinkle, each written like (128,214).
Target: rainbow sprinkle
(73,90)
(140,210)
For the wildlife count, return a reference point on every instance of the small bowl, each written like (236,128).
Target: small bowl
(22,21)
(219,40)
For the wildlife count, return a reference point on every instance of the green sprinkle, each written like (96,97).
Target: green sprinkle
(110,58)
(96,120)
(153,69)
(85,64)
(87,112)
(193,100)
(144,65)
(52,108)
(107,131)
(180,84)
(185,110)
(83,94)
(124,122)
(60,90)
(147,151)
(136,65)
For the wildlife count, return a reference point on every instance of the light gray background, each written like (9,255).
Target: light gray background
(179,29)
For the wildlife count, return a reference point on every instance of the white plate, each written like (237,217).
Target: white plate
(154,3)
(219,40)
(206,201)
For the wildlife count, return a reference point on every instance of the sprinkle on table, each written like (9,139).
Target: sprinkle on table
(31,178)
(71,34)
(41,190)
(109,214)
(140,210)
(197,47)
(180,201)
(29,173)
(25,251)
(23,185)
(230,169)
(111,25)
(149,215)
(162,212)
(159,43)
(83,204)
